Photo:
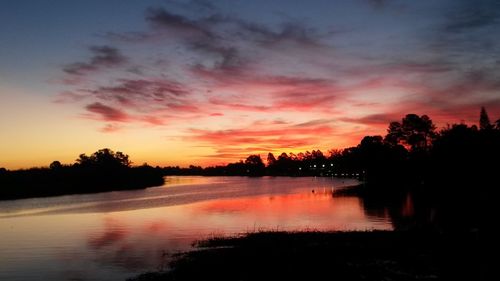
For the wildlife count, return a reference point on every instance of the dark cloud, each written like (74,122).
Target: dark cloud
(467,29)
(425,67)
(225,57)
(102,57)
(154,102)
(294,31)
(106,56)
(227,28)
(154,89)
(193,5)
(470,15)
(200,5)
(223,40)
(107,113)
(148,96)
(79,68)
(163,19)
(291,31)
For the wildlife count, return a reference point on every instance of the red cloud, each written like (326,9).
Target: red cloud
(107,113)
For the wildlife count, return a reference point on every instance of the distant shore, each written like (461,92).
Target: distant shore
(45,182)
(371,255)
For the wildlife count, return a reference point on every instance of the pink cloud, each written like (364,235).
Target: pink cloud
(107,113)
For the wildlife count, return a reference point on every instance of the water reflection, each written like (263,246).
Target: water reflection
(118,234)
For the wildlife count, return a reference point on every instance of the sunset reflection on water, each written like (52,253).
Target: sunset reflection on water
(97,242)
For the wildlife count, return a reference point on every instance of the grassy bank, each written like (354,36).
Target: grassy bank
(377,255)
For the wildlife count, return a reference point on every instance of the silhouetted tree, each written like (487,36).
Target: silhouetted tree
(416,132)
(283,165)
(334,153)
(104,158)
(300,156)
(283,157)
(254,165)
(318,156)
(394,133)
(55,165)
(497,124)
(271,160)
(307,155)
(484,120)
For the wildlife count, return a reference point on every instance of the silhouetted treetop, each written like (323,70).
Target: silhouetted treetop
(104,158)
(484,120)
(254,160)
(55,165)
(371,140)
(317,155)
(270,159)
(415,132)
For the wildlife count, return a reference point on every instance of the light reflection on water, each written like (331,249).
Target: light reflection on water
(114,235)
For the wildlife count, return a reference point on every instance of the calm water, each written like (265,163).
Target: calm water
(115,235)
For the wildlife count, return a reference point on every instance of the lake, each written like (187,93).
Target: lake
(116,235)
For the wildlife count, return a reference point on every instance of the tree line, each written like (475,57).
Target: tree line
(104,170)
(412,152)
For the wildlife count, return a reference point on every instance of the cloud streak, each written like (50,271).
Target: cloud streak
(107,113)
(102,57)
(163,20)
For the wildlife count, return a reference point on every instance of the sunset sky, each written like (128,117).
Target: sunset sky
(210,82)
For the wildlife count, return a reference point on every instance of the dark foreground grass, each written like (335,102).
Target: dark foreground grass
(377,255)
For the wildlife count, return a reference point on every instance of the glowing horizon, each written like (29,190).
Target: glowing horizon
(204,82)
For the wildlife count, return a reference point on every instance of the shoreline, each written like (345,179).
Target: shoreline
(313,255)
(151,181)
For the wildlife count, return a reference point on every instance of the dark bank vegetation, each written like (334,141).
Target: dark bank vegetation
(376,255)
(104,170)
(438,188)
(413,151)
